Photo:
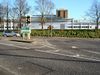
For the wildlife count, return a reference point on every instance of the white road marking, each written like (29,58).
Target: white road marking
(74,47)
(50,46)
(49,50)
(76,56)
(9,70)
(92,52)
(57,50)
(71,53)
(20,68)
(14,46)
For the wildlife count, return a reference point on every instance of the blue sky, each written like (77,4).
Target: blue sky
(76,8)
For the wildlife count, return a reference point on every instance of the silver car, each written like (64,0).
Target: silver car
(10,33)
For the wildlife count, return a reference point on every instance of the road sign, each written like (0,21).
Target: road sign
(25,29)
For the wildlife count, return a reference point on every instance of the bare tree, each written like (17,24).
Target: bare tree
(6,10)
(44,7)
(94,12)
(22,9)
(13,16)
(2,9)
(1,13)
(7,15)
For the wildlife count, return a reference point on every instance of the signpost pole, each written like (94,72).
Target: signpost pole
(28,35)
(23,35)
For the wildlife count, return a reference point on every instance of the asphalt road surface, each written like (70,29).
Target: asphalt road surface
(89,48)
(16,60)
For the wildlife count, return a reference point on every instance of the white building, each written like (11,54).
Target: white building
(58,21)
(61,23)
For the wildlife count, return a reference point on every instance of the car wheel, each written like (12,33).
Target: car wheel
(15,35)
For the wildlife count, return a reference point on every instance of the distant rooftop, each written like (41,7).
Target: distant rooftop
(49,18)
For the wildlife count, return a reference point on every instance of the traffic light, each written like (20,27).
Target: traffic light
(28,19)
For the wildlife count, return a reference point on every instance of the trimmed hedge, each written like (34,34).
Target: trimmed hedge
(0,33)
(68,33)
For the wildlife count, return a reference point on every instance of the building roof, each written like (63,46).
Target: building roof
(49,18)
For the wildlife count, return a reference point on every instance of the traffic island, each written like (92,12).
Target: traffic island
(22,40)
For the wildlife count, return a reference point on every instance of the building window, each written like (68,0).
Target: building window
(70,27)
(77,26)
(58,13)
(85,26)
(62,26)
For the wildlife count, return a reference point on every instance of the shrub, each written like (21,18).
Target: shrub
(68,33)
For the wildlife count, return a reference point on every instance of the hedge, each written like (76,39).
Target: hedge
(68,33)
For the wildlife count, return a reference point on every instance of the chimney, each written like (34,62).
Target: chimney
(62,13)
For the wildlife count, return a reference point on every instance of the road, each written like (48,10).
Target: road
(54,58)
(85,48)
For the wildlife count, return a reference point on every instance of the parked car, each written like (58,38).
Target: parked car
(10,33)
